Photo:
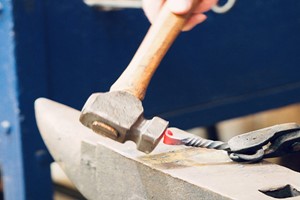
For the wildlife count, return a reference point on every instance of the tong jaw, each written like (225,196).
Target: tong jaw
(269,142)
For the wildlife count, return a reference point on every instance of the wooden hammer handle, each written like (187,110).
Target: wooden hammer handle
(136,77)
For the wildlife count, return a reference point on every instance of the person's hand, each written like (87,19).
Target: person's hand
(152,8)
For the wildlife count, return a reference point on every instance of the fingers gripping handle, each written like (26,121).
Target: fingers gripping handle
(136,77)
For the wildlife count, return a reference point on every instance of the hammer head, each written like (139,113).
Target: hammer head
(119,116)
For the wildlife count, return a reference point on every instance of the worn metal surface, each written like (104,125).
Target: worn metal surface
(104,169)
(119,116)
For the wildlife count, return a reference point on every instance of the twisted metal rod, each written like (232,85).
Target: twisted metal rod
(205,143)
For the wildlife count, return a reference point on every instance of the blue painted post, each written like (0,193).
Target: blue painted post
(10,137)
(25,172)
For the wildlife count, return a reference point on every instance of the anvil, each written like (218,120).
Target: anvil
(102,168)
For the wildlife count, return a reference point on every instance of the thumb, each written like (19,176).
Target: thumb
(179,6)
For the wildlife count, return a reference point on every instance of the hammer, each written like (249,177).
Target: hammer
(118,114)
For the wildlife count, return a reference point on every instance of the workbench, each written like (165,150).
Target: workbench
(234,64)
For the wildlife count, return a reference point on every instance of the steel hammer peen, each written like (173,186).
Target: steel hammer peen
(118,114)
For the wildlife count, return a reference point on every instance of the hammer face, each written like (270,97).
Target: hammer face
(118,109)
(149,133)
